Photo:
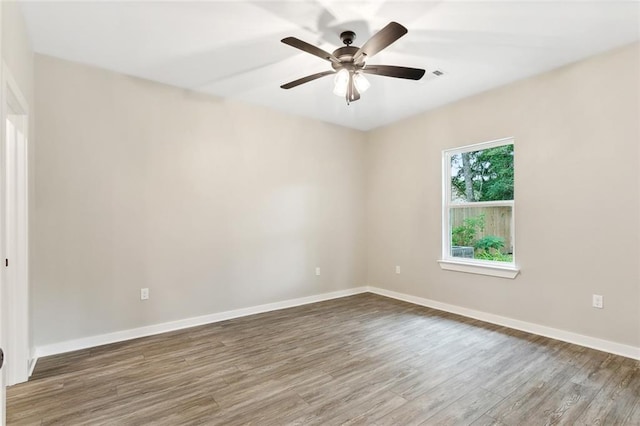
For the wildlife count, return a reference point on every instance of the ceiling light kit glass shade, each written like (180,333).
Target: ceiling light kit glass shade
(340,82)
(361,82)
(347,84)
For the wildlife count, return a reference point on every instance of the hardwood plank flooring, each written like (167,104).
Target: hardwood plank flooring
(360,360)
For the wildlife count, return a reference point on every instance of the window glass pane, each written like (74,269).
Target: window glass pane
(482,233)
(484,175)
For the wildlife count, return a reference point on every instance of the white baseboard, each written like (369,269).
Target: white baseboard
(553,333)
(32,364)
(119,336)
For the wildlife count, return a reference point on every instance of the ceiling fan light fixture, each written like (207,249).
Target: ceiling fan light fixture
(348,62)
(341,82)
(361,82)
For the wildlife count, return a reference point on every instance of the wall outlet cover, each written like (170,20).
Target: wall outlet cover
(597,301)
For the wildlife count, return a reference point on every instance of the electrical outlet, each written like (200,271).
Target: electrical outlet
(144,293)
(317,270)
(397,269)
(597,301)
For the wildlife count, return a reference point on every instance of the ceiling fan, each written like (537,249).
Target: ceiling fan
(348,62)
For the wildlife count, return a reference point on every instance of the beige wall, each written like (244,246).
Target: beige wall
(577,141)
(216,205)
(211,204)
(16,48)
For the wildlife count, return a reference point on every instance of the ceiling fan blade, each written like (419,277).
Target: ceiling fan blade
(309,48)
(393,71)
(383,38)
(306,79)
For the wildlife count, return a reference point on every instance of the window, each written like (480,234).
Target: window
(478,209)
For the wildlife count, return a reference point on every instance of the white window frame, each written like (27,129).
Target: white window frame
(473,266)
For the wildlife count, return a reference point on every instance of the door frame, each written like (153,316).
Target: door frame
(3,394)
(15,309)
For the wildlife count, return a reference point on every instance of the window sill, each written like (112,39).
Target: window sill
(475,268)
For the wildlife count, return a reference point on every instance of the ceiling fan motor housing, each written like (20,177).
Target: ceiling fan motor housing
(345,54)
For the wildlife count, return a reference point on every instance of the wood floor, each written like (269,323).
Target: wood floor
(363,359)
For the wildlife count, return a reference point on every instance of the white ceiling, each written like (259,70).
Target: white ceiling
(232,49)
